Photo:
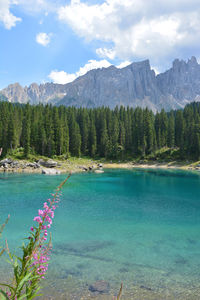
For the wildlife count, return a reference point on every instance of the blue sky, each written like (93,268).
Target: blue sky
(46,40)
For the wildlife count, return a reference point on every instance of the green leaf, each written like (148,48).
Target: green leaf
(19,258)
(35,295)
(22,297)
(7,285)
(10,255)
(22,282)
(9,262)
(16,273)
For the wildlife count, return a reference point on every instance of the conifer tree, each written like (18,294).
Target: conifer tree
(171,131)
(104,140)
(92,139)
(75,138)
(26,129)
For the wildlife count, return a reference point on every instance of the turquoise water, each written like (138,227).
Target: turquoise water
(141,227)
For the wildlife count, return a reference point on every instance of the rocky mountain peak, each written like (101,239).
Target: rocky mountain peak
(192,61)
(133,85)
(145,64)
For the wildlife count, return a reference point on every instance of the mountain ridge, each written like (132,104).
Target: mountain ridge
(134,85)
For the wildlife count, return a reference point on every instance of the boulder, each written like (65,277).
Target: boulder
(36,165)
(100,287)
(15,163)
(84,168)
(31,165)
(48,164)
(50,172)
(6,161)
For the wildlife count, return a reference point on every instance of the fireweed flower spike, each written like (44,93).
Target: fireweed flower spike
(32,267)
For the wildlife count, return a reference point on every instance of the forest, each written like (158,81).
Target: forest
(100,132)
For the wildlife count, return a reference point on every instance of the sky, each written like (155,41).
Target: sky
(59,40)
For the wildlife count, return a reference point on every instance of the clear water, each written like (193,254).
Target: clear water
(141,227)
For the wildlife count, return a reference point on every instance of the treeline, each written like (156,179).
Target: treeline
(119,133)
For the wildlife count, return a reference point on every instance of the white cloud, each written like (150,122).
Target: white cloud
(62,77)
(36,6)
(136,28)
(93,64)
(104,52)
(123,64)
(6,16)
(43,38)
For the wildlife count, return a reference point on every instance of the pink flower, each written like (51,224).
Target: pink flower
(37,219)
(40,212)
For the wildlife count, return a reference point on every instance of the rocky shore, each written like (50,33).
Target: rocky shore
(55,167)
(49,167)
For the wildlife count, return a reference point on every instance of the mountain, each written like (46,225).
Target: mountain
(134,85)
(34,94)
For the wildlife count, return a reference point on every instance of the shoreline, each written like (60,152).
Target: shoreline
(88,165)
(150,165)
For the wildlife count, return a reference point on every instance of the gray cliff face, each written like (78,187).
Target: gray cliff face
(15,93)
(34,94)
(45,93)
(134,85)
(182,81)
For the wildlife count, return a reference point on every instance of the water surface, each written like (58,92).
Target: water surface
(141,227)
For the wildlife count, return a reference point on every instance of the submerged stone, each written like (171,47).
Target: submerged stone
(100,287)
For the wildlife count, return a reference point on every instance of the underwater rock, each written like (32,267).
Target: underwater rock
(180,260)
(123,270)
(70,273)
(100,287)
(145,288)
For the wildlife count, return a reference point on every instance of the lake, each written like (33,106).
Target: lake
(139,227)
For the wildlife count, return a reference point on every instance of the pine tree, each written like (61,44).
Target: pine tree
(26,129)
(149,132)
(75,138)
(171,131)
(42,140)
(104,140)
(163,128)
(92,139)
(12,134)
